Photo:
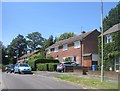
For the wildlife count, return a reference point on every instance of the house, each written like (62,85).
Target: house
(26,56)
(111,47)
(82,49)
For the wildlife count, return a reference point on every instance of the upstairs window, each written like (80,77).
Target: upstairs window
(49,51)
(109,38)
(56,49)
(65,47)
(77,44)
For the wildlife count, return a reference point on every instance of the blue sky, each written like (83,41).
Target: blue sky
(50,18)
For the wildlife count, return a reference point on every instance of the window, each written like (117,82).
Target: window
(65,47)
(77,44)
(49,51)
(117,64)
(109,38)
(56,49)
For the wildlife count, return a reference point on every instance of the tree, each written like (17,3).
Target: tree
(35,40)
(112,18)
(3,55)
(65,35)
(17,48)
(48,42)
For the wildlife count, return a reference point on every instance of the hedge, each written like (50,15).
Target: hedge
(46,66)
(33,63)
(46,61)
(52,66)
(41,67)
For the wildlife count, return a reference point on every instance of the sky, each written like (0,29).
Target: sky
(50,18)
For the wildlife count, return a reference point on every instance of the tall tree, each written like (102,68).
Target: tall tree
(35,40)
(112,18)
(17,48)
(3,56)
(65,35)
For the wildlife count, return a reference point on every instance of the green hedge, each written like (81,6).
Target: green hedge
(41,67)
(33,63)
(52,66)
(46,67)
(46,61)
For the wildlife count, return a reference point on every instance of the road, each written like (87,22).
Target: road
(29,81)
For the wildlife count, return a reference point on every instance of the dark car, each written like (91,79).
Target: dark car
(61,66)
(9,68)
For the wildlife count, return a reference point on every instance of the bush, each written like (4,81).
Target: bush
(50,57)
(46,61)
(33,62)
(46,67)
(52,66)
(41,67)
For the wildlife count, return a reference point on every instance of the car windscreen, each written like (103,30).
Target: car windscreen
(24,65)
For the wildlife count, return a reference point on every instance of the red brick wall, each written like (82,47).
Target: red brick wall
(70,52)
(91,43)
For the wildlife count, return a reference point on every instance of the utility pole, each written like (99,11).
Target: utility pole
(102,66)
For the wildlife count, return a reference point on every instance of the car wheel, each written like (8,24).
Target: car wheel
(19,72)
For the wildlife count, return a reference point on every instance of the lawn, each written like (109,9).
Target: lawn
(89,82)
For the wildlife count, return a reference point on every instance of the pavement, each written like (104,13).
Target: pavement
(53,74)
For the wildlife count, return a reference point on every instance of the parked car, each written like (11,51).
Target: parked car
(61,66)
(22,68)
(9,68)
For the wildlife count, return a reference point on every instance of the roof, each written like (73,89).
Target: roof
(114,28)
(29,54)
(71,39)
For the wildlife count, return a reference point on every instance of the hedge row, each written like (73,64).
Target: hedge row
(46,61)
(33,63)
(46,67)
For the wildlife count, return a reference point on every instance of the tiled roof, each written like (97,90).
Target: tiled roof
(71,39)
(114,28)
(29,54)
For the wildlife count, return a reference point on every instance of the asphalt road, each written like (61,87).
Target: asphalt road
(28,81)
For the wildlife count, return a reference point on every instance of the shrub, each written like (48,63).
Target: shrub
(41,67)
(46,61)
(50,57)
(46,67)
(31,63)
(52,66)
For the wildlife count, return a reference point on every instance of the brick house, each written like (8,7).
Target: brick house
(112,51)
(83,49)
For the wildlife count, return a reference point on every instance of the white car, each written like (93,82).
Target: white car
(22,68)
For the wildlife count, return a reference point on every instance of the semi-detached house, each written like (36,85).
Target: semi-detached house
(82,49)
(112,39)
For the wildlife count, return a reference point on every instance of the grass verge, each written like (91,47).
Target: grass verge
(89,82)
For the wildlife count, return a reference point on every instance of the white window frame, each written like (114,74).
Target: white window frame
(77,44)
(49,51)
(117,64)
(56,49)
(65,47)
(109,38)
